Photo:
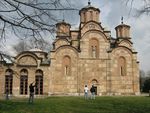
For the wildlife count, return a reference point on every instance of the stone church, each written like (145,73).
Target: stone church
(85,56)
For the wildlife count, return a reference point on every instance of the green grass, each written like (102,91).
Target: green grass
(131,104)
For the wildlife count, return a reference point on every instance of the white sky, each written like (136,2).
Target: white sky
(111,13)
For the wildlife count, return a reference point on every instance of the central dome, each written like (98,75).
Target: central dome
(89,13)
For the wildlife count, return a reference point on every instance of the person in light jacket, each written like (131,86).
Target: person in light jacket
(86,92)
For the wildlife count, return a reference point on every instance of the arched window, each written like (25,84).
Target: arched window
(122,66)
(84,16)
(121,32)
(39,82)
(94,48)
(97,16)
(66,65)
(91,15)
(8,81)
(23,82)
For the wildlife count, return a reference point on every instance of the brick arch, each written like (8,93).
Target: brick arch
(94,81)
(24,71)
(97,26)
(39,72)
(9,72)
(127,41)
(27,60)
(26,53)
(64,47)
(122,48)
(97,32)
(60,42)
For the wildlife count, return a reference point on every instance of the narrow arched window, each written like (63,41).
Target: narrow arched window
(91,15)
(84,16)
(39,82)
(66,65)
(94,48)
(8,81)
(122,66)
(23,82)
(97,16)
(94,51)
(121,32)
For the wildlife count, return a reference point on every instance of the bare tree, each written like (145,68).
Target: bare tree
(42,44)
(30,18)
(142,74)
(142,79)
(21,46)
(145,9)
(148,73)
(25,45)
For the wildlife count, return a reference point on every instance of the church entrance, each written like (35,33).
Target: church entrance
(95,83)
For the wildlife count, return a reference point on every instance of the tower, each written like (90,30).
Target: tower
(123,31)
(62,29)
(89,13)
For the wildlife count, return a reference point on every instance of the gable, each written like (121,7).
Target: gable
(125,43)
(27,60)
(122,51)
(61,42)
(94,34)
(91,26)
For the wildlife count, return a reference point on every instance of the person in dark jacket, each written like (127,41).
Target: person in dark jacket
(92,90)
(31,88)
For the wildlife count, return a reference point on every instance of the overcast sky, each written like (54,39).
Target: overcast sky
(111,13)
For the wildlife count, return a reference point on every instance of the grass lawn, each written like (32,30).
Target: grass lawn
(104,104)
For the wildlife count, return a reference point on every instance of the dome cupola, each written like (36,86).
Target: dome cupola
(122,30)
(63,29)
(89,13)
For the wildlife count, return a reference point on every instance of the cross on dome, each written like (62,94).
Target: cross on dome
(122,20)
(89,2)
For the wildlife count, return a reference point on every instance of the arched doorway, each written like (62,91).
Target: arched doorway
(95,83)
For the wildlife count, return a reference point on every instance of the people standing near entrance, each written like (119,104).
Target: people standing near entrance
(92,90)
(86,92)
(31,88)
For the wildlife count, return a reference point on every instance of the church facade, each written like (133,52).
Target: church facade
(87,56)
